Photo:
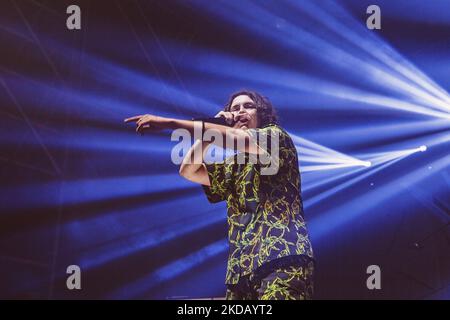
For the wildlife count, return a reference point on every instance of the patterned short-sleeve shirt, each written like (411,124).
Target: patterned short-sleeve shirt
(264,211)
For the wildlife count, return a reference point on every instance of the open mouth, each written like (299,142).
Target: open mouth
(243,121)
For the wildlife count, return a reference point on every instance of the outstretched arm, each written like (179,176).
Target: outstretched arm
(152,123)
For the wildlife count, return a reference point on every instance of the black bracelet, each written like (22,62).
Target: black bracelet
(203,126)
(203,129)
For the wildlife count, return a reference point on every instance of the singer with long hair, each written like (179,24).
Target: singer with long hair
(270,254)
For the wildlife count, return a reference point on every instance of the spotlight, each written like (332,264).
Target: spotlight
(423,148)
(366,163)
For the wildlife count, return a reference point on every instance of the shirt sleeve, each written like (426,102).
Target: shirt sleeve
(219,174)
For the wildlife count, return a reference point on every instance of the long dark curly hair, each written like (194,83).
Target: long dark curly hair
(266,112)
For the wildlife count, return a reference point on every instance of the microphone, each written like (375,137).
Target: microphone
(221,120)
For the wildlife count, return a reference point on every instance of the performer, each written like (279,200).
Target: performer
(270,254)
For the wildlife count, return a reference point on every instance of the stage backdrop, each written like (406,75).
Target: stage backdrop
(368,110)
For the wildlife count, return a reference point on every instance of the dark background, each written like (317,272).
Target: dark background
(79,187)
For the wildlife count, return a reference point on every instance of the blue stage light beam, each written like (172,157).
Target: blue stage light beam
(361,176)
(311,152)
(354,32)
(391,80)
(379,132)
(139,287)
(379,161)
(327,222)
(382,157)
(221,65)
(96,256)
(84,190)
(324,50)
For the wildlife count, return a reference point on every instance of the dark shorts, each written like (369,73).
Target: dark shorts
(284,283)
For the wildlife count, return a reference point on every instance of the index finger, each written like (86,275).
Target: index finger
(133,118)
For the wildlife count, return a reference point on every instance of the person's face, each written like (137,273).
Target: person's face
(245,112)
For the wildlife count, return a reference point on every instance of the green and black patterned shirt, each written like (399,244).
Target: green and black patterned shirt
(264,212)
